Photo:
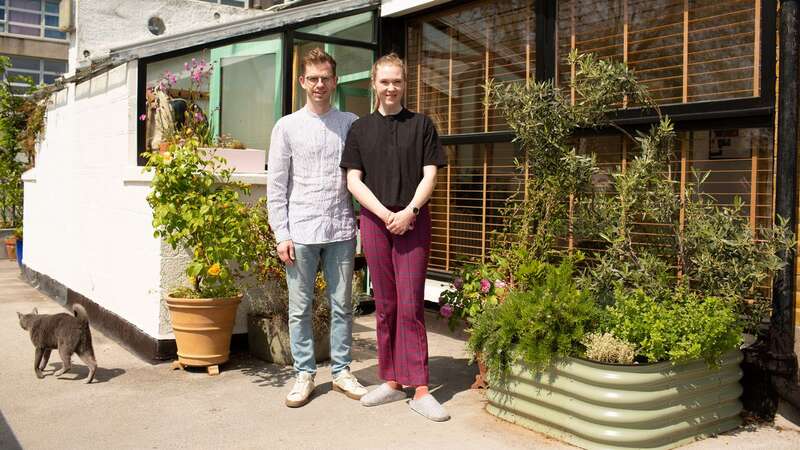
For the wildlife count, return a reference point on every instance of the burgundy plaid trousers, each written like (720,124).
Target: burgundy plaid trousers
(398,265)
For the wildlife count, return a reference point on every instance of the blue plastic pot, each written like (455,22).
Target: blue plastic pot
(19,252)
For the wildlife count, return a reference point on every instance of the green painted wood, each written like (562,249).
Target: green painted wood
(236,50)
(606,406)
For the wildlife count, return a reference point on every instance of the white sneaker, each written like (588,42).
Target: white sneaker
(346,383)
(301,392)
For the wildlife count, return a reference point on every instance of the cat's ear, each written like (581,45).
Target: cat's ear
(35,312)
(19,315)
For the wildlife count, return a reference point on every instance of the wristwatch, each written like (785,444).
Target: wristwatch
(415,210)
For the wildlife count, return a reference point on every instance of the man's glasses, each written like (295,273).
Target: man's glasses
(315,80)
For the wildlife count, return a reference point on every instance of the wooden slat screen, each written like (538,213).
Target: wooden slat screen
(451,55)
(466,204)
(683,50)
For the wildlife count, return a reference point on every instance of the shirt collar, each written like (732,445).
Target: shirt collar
(400,115)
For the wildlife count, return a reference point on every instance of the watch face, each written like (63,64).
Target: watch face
(415,210)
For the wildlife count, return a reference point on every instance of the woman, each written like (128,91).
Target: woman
(391,157)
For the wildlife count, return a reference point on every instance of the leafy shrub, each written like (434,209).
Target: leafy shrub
(197,206)
(679,326)
(547,321)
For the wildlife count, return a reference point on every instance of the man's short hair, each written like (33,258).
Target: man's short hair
(317,56)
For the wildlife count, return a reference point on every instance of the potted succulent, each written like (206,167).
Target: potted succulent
(634,346)
(268,319)
(197,206)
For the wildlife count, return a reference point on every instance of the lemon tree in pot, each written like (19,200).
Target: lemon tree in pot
(197,206)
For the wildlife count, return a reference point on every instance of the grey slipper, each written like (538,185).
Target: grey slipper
(428,407)
(383,394)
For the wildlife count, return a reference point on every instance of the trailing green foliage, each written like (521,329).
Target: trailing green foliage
(546,321)
(681,326)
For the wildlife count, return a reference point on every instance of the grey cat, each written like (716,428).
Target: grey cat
(68,333)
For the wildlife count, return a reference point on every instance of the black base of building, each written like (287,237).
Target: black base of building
(124,333)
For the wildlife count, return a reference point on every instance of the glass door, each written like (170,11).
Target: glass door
(247,78)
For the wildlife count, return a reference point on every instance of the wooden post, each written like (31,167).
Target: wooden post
(682,218)
(624,154)
(570,229)
(447,217)
(625,43)
(757,50)
(572,47)
(483,209)
(486,80)
(685,51)
(753,184)
(450,85)
(528,43)
(419,71)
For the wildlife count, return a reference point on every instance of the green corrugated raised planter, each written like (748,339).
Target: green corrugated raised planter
(607,406)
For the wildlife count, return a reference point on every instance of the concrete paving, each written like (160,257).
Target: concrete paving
(136,405)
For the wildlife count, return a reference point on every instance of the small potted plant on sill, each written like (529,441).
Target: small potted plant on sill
(197,206)
(268,319)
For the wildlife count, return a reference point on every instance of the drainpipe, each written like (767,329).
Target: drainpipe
(781,359)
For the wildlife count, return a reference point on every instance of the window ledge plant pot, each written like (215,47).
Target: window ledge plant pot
(247,160)
(594,405)
(203,329)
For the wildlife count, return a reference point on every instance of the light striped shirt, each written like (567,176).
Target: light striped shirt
(307,197)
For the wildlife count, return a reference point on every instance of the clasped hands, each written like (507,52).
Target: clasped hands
(401,221)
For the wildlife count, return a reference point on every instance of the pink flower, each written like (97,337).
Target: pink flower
(499,284)
(485,286)
(198,116)
(446,311)
(186,66)
(458,283)
(143,117)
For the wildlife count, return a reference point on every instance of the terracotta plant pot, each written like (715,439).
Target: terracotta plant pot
(203,329)
(11,247)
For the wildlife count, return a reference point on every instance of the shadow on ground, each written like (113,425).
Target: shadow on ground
(264,374)
(78,373)
(8,441)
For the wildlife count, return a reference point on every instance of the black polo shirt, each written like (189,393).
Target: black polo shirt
(391,152)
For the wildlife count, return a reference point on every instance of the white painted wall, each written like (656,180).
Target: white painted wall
(105,24)
(85,226)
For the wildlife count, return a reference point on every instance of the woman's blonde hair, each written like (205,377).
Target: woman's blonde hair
(392,59)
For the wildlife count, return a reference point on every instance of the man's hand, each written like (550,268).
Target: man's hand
(286,252)
(401,221)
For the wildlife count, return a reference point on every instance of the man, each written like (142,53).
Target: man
(311,214)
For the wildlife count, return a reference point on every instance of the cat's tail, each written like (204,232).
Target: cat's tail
(80,313)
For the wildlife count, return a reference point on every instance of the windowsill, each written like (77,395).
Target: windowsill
(35,38)
(29,176)
(138,175)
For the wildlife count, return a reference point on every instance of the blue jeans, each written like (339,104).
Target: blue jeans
(337,266)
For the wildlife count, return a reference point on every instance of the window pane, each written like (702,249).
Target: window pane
(51,21)
(49,79)
(451,54)
(55,34)
(460,218)
(251,81)
(233,2)
(357,28)
(17,29)
(2,2)
(55,66)
(721,55)
(24,17)
(353,65)
(22,62)
(2,14)
(51,6)
(15,73)
(32,5)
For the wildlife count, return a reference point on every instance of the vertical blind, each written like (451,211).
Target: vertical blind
(683,50)
(452,54)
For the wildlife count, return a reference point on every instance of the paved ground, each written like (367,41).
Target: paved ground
(135,405)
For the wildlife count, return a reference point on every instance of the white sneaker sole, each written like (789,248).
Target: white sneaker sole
(347,393)
(299,403)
